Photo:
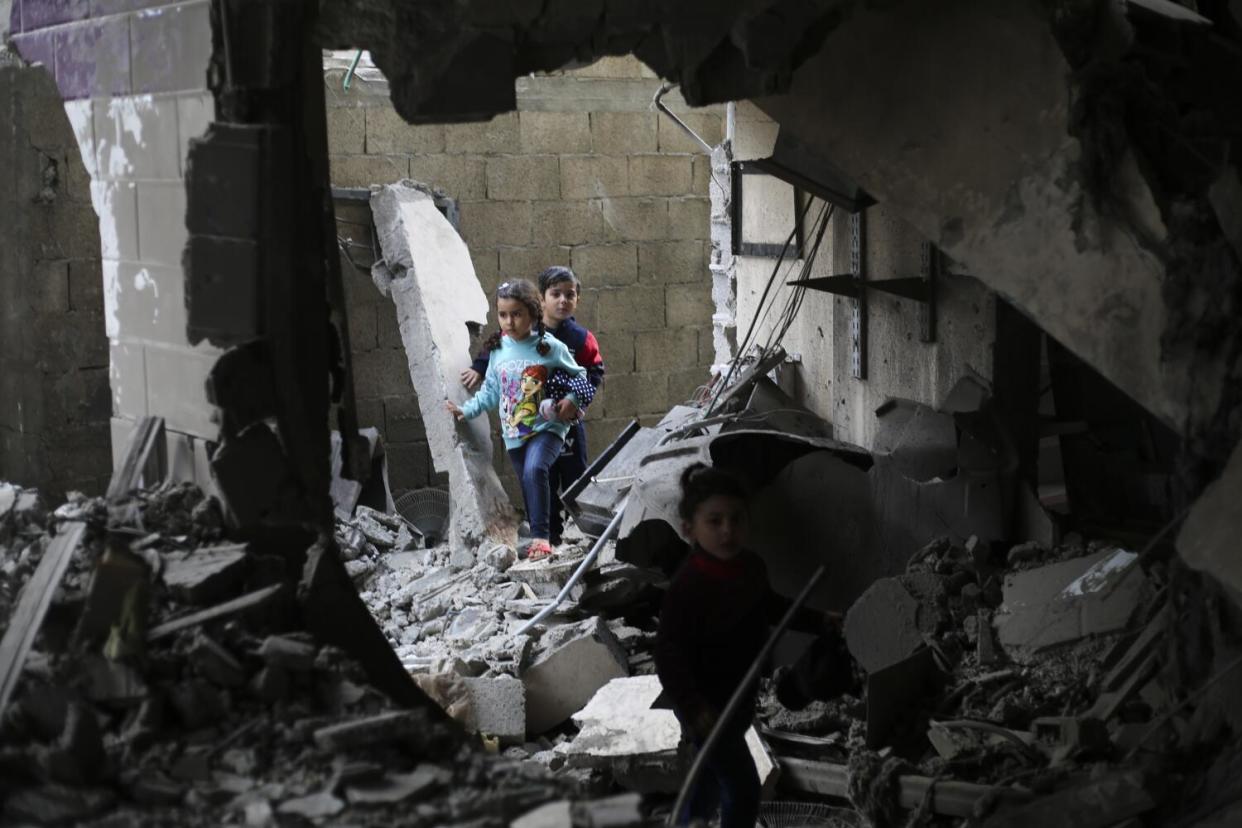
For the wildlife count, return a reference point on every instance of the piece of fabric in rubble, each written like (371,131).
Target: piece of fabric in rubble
(872,786)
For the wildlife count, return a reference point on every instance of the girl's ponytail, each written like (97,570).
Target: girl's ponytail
(492,342)
(543,346)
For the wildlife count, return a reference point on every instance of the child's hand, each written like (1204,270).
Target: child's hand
(471,379)
(454,409)
(566,411)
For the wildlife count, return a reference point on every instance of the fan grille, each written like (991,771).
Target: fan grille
(807,815)
(428,510)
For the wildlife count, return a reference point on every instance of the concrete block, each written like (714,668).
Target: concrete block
(665,349)
(409,465)
(624,133)
(128,374)
(195,111)
(499,135)
(365,170)
(563,680)
(606,265)
(462,177)
(116,205)
(707,125)
(176,379)
(554,132)
(675,262)
(93,59)
(689,305)
(881,627)
(288,653)
(402,421)
(689,218)
(660,174)
(85,285)
(136,137)
(379,372)
(499,706)
(630,394)
(347,132)
(386,133)
(617,349)
(529,262)
(430,279)
(634,219)
(594,176)
(634,308)
(566,222)
(523,178)
(486,263)
(49,289)
(170,47)
(488,223)
(161,219)
(364,326)
(755,139)
(701,176)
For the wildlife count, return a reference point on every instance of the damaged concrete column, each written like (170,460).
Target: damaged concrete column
(427,271)
(723,268)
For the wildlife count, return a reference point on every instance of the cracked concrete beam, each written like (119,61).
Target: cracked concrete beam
(426,269)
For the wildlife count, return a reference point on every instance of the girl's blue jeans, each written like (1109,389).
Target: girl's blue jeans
(728,781)
(531,462)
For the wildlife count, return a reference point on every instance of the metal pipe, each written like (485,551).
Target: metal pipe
(613,526)
(735,700)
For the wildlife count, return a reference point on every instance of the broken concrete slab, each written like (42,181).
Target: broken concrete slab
(1208,540)
(882,626)
(546,577)
(315,807)
(288,652)
(215,663)
(499,707)
(566,676)
(202,576)
(428,273)
(1069,600)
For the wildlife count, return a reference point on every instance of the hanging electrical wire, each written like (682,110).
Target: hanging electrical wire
(793,301)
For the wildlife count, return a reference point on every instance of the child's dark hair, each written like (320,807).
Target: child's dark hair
(700,482)
(554,275)
(524,292)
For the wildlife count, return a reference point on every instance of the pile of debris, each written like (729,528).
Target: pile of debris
(172,682)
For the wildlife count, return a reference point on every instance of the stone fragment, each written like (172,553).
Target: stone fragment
(558,814)
(203,576)
(499,556)
(545,577)
(882,626)
(499,707)
(375,527)
(567,676)
(314,806)
(288,652)
(472,624)
(428,272)
(385,728)
(396,787)
(215,663)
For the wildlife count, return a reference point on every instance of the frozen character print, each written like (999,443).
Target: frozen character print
(526,413)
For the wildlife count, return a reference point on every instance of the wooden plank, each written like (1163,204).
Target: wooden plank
(236,605)
(36,597)
(33,606)
(146,443)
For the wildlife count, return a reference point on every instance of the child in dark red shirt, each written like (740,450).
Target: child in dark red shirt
(560,290)
(713,625)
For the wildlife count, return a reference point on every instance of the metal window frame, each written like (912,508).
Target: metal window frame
(767,250)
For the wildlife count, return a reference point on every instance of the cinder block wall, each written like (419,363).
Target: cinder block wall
(133,79)
(54,400)
(584,174)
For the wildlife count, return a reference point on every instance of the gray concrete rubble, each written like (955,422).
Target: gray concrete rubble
(569,672)
(427,271)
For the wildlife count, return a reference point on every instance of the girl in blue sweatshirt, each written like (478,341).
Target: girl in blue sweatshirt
(522,362)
